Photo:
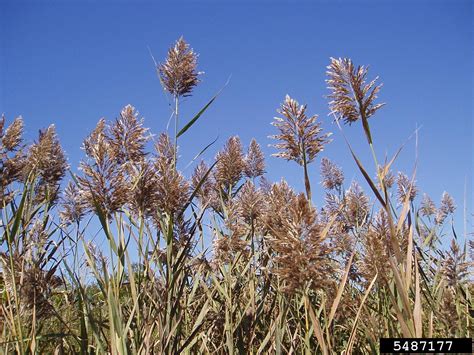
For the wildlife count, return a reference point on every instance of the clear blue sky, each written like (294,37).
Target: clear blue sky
(70,63)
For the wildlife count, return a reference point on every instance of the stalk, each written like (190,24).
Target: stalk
(307,183)
(176,124)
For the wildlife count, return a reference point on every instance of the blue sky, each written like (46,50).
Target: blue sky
(70,63)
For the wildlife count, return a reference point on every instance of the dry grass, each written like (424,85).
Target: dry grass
(283,275)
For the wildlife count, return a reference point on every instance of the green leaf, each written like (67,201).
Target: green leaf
(18,216)
(195,118)
(202,151)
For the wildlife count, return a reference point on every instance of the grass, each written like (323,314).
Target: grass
(281,276)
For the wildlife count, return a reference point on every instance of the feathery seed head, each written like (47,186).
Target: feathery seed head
(427,207)
(97,256)
(446,208)
(254,161)
(230,163)
(405,188)
(231,242)
(356,205)
(73,204)
(302,254)
(227,248)
(143,193)
(300,136)
(12,158)
(455,265)
(352,98)
(96,145)
(376,253)
(278,196)
(172,189)
(178,73)
(250,200)
(447,203)
(333,207)
(206,190)
(104,183)
(386,175)
(165,150)
(11,139)
(332,175)
(47,162)
(128,137)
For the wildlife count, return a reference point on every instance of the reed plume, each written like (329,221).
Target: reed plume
(74,205)
(178,73)
(302,254)
(277,197)
(104,183)
(230,243)
(351,210)
(46,162)
(333,207)
(12,157)
(144,189)
(446,208)
(300,138)
(230,163)
(356,206)
(385,176)
(332,175)
(456,271)
(128,137)
(250,200)
(427,206)
(178,76)
(448,312)
(11,137)
(254,161)
(33,286)
(172,189)
(375,258)
(406,189)
(352,98)
(455,266)
(205,187)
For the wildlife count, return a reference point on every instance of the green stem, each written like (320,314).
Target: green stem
(306,181)
(176,122)
(307,184)
(374,156)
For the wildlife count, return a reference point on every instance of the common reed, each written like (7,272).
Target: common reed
(332,175)
(12,157)
(300,137)
(178,73)
(352,97)
(134,256)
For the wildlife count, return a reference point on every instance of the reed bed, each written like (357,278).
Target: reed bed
(223,261)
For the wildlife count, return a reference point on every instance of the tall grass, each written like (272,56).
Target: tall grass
(281,275)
